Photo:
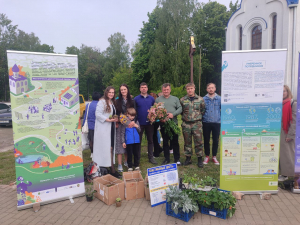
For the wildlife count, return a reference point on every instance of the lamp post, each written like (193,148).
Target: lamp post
(191,53)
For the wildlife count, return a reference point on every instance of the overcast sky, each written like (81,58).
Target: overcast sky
(63,23)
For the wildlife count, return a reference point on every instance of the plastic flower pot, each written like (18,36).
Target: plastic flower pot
(118,204)
(89,198)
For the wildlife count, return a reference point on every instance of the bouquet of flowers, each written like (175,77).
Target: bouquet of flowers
(124,119)
(158,112)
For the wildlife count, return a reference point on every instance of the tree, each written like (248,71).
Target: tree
(117,54)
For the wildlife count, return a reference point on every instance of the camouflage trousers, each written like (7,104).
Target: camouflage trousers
(189,130)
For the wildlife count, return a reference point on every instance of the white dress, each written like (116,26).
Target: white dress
(102,136)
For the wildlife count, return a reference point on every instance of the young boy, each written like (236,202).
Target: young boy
(131,140)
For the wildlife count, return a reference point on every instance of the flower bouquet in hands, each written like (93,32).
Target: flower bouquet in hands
(124,119)
(158,112)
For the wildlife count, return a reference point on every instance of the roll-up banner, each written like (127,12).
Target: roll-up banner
(252,86)
(44,93)
(297,139)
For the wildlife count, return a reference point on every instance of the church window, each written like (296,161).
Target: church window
(256,37)
(274,32)
(241,39)
(25,82)
(22,83)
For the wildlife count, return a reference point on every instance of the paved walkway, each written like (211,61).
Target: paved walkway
(280,209)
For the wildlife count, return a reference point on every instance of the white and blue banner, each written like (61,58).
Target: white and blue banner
(160,178)
(251,107)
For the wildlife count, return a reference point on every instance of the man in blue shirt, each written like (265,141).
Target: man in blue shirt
(211,122)
(143,104)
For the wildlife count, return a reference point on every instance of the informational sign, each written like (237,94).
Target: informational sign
(297,139)
(252,86)
(44,93)
(160,178)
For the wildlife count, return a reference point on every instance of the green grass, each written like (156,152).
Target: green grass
(8,175)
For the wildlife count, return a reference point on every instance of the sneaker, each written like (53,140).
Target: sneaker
(206,160)
(282,178)
(178,163)
(215,161)
(130,169)
(137,168)
(120,168)
(91,155)
(126,164)
(171,151)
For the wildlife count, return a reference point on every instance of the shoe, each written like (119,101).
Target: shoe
(214,159)
(91,155)
(152,160)
(171,151)
(120,168)
(178,163)
(137,168)
(130,169)
(117,175)
(165,162)
(188,161)
(282,178)
(200,163)
(126,164)
(206,160)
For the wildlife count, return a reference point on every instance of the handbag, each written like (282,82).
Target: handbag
(85,144)
(85,128)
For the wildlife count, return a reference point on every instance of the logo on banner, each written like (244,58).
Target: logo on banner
(225,65)
(251,65)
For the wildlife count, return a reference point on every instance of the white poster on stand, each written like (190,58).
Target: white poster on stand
(251,107)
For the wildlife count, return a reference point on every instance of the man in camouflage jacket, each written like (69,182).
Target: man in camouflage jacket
(193,107)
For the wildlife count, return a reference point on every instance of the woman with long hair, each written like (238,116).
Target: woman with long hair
(122,104)
(287,137)
(105,131)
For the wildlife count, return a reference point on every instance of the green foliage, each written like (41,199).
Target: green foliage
(219,199)
(180,201)
(118,199)
(89,190)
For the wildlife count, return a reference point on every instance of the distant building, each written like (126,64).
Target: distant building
(17,83)
(71,97)
(267,24)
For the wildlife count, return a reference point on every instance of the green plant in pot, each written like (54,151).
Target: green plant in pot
(208,181)
(179,200)
(118,202)
(89,193)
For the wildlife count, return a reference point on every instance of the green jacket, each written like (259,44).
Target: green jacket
(192,111)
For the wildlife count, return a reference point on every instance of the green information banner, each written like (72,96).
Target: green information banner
(44,92)
(252,86)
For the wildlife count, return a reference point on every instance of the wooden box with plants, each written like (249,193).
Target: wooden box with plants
(179,205)
(201,184)
(216,202)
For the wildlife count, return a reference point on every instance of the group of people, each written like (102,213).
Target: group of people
(200,117)
(108,136)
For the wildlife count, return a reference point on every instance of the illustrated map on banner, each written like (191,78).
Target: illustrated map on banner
(160,178)
(44,92)
(252,85)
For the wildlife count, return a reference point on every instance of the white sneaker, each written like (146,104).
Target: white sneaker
(120,168)
(130,169)
(137,168)
(91,155)
(171,151)
(126,164)
(282,178)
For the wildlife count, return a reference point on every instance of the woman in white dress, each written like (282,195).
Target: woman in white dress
(105,132)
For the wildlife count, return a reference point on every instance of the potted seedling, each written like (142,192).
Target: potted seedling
(118,202)
(89,193)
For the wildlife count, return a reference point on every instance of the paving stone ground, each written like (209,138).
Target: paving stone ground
(280,209)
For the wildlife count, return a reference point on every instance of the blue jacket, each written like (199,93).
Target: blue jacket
(143,104)
(131,135)
(213,109)
(91,116)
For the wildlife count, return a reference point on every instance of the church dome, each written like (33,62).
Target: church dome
(15,68)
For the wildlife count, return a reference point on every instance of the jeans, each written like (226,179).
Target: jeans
(213,128)
(149,129)
(133,149)
(174,143)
